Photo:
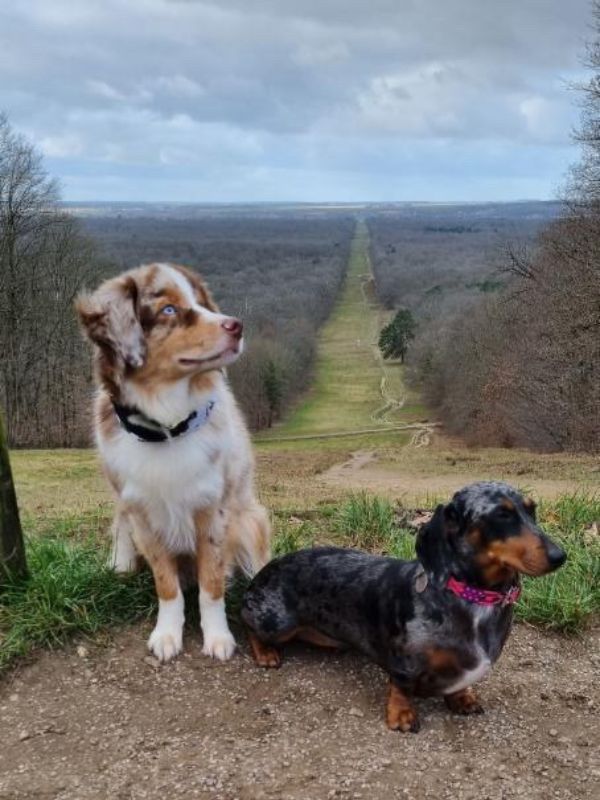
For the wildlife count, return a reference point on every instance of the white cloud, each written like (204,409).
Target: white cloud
(102,89)
(178,86)
(65,146)
(282,88)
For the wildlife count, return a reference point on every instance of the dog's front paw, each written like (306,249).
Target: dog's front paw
(218,640)
(405,720)
(464,702)
(219,645)
(165,644)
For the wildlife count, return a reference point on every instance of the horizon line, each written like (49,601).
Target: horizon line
(309,202)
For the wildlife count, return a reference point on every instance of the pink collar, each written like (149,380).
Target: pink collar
(483,597)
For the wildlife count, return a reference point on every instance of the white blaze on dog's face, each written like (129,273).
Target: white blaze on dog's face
(161,323)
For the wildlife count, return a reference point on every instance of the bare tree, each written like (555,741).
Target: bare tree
(43,260)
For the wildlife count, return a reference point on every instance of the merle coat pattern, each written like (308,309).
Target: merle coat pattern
(400,613)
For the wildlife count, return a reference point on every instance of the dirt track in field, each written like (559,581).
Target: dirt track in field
(108,722)
(362,472)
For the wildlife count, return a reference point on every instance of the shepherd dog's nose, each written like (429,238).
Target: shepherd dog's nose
(234,327)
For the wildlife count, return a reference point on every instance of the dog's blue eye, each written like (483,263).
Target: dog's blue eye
(168,311)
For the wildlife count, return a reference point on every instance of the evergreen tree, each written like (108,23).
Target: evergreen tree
(394,338)
(273,385)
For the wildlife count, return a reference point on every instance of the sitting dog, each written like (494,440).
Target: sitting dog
(173,443)
(435,625)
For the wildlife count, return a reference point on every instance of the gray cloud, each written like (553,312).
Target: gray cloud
(273,99)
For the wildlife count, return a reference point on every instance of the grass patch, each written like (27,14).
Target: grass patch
(291,536)
(86,525)
(564,601)
(367,522)
(69,591)
(567,599)
(372,523)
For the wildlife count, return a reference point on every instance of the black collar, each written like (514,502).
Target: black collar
(148,430)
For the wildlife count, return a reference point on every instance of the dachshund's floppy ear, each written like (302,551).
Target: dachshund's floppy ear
(432,540)
(109,318)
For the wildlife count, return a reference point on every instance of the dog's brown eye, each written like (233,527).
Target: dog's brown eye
(168,311)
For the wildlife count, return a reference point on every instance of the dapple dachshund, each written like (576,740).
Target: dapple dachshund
(436,624)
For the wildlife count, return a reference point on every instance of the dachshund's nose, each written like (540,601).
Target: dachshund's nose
(233,326)
(556,556)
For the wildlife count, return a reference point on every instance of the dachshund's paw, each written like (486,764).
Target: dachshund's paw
(265,655)
(464,703)
(400,714)
(405,720)
(268,658)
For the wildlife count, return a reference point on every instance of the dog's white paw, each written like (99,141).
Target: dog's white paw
(166,640)
(218,639)
(165,645)
(220,646)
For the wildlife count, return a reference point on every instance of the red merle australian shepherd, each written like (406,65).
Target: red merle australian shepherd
(173,443)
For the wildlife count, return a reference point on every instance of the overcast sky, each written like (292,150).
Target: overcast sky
(242,100)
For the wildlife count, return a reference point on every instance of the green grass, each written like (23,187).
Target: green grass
(570,597)
(290,537)
(346,390)
(564,601)
(366,522)
(70,592)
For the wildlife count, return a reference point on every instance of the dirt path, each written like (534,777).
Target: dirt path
(364,472)
(111,724)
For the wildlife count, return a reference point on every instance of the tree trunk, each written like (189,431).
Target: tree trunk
(12,548)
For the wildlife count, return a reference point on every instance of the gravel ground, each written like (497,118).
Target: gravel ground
(108,722)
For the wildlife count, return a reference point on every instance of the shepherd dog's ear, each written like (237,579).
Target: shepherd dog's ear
(433,538)
(109,318)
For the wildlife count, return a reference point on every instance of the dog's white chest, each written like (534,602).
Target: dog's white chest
(482,667)
(170,481)
(470,676)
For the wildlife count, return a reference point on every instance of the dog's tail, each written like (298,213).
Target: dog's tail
(249,537)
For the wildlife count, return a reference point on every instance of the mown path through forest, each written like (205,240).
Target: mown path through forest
(354,391)
(360,406)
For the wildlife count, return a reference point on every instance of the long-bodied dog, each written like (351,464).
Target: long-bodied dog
(436,624)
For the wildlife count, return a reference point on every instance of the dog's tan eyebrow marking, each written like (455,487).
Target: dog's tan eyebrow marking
(508,505)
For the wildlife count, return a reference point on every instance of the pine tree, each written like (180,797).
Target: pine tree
(395,337)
